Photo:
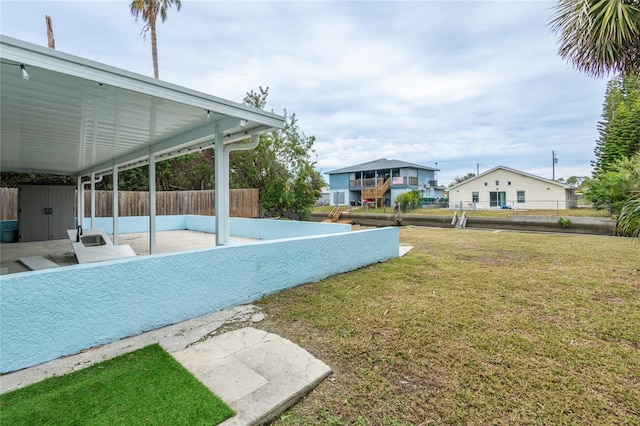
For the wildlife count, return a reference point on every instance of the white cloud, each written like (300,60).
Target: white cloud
(453,82)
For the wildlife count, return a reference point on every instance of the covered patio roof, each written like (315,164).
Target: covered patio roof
(75,117)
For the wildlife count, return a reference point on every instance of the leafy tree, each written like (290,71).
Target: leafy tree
(576,180)
(459,179)
(409,198)
(620,126)
(280,167)
(12,179)
(188,172)
(128,180)
(614,187)
(599,36)
(185,173)
(148,10)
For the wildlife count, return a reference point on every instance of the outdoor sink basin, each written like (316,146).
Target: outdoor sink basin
(93,240)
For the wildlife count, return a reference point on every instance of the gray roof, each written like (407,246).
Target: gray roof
(381,164)
(72,116)
(549,181)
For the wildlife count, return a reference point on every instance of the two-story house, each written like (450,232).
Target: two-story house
(381,181)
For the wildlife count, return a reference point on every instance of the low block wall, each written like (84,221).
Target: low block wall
(51,313)
(130,224)
(267,229)
(263,229)
(579,225)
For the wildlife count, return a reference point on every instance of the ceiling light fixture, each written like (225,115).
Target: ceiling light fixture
(23,70)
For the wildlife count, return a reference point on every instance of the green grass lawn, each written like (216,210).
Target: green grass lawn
(146,387)
(474,327)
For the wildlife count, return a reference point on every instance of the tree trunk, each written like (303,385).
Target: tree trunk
(153,13)
(51,40)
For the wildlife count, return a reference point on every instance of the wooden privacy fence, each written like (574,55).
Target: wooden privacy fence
(8,203)
(242,203)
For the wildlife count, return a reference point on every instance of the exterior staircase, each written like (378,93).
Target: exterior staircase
(459,221)
(378,192)
(335,214)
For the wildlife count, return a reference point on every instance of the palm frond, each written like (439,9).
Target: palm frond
(599,36)
(629,219)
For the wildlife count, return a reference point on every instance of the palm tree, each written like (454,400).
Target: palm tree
(599,36)
(628,222)
(148,11)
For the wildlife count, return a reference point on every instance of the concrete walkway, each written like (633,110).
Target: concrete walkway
(258,374)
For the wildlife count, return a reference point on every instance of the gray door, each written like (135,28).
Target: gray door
(61,211)
(33,220)
(45,212)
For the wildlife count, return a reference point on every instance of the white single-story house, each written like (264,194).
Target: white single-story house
(503,187)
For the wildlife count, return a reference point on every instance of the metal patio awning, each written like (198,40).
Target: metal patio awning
(65,115)
(74,117)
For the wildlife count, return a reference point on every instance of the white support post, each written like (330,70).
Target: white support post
(116,207)
(79,212)
(225,194)
(152,202)
(93,200)
(222,187)
(224,237)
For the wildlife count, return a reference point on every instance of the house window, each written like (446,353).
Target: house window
(520,197)
(475,197)
(497,183)
(338,198)
(509,183)
(485,184)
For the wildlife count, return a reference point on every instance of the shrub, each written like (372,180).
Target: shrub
(565,223)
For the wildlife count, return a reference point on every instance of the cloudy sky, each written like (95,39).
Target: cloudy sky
(464,84)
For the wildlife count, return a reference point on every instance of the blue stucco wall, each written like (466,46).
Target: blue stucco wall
(424,176)
(51,313)
(268,229)
(339,181)
(129,224)
(264,229)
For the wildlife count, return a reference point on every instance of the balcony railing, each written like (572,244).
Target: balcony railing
(395,181)
(362,183)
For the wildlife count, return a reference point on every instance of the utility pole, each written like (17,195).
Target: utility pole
(52,41)
(477,169)
(554,161)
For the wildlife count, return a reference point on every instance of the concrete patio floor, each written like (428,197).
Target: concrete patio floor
(61,251)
